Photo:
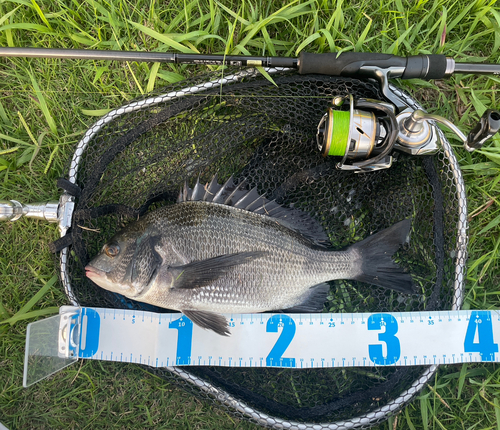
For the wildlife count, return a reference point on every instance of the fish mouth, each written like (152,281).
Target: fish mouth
(92,272)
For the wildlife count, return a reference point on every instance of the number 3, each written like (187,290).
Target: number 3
(375,322)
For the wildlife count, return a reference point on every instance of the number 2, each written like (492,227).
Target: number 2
(275,356)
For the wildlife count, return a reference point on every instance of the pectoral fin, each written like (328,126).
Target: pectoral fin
(201,273)
(209,320)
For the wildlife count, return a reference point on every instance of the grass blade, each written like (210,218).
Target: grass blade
(491,155)
(497,411)
(8,15)
(170,77)
(14,140)
(461,380)
(493,223)
(152,77)
(25,26)
(361,39)
(3,312)
(32,302)
(424,412)
(408,420)
(40,14)
(28,315)
(164,39)
(135,79)
(3,115)
(43,104)
(306,42)
(95,112)
(233,14)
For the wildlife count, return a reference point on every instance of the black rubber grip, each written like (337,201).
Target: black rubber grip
(425,67)
(356,64)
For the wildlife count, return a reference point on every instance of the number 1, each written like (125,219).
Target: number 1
(184,326)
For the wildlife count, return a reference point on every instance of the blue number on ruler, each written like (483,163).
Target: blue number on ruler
(375,322)
(89,333)
(275,356)
(184,339)
(480,321)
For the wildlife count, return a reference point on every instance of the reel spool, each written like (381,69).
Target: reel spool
(357,134)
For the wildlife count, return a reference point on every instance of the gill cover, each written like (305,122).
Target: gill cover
(145,262)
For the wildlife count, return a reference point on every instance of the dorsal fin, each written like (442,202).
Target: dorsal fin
(238,196)
(211,190)
(198,191)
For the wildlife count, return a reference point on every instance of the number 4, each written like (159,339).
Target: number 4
(480,322)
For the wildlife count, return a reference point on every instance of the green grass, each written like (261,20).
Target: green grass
(46,106)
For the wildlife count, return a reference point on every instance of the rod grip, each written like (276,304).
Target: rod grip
(354,64)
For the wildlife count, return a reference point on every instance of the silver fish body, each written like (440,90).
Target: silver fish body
(204,258)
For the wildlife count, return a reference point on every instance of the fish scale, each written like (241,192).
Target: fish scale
(292,265)
(206,258)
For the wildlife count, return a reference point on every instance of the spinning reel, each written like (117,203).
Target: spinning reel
(365,134)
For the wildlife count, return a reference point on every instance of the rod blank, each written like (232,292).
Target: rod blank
(156,57)
(352,69)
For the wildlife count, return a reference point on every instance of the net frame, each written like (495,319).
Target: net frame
(362,421)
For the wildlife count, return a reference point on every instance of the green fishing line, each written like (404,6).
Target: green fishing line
(340,133)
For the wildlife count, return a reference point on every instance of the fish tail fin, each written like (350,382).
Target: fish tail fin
(377,265)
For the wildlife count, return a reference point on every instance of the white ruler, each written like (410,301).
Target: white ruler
(275,340)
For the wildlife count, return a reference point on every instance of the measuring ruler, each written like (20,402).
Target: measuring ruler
(267,340)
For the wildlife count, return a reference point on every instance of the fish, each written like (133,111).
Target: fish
(226,249)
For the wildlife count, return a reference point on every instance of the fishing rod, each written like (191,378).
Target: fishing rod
(351,64)
(363,134)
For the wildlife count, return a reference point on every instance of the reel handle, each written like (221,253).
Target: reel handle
(487,127)
(412,130)
(361,64)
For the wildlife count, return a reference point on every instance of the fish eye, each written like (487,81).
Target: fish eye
(112,250)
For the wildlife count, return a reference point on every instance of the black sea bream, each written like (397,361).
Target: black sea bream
(222,249)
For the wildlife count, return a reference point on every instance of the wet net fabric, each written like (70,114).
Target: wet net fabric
(265,133)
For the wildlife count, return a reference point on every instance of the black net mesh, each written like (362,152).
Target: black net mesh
(253,129)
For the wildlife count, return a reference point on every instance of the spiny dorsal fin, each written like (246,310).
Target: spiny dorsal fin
(238,196)
(198,191)
(211,190)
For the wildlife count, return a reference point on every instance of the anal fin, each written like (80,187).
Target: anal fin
(312,300)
